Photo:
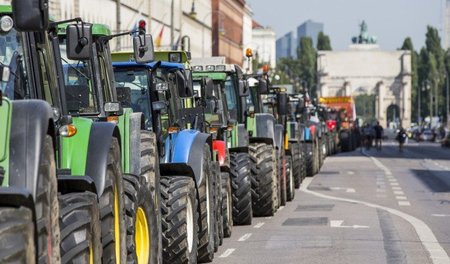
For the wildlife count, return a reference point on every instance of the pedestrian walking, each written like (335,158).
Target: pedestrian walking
(378,135)
(401,138)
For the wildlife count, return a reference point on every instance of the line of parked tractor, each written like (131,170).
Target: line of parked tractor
(140,156)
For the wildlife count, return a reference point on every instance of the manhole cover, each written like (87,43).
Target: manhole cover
(306,221)
(315,207)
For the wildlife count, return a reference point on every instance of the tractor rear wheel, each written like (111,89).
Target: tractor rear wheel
(227,204)
(240,172)
(207,219)
(290,184)
(111,206)
(141,209)
(47,207)
(179,220)
(264,179)
(80,228)
(296,165)
(17,235)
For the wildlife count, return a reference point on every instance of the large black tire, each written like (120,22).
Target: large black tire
(179,219)
(296,164)
(290,179)
(47,207)
(282,196)
(80,228)
(310,159)
(218,221)
(240,172)
(17,236)
(264,179)
(140,217)
(140,208)
(227,204)
(111,206)
(206,193)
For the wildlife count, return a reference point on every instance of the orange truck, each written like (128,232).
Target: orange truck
(341,118)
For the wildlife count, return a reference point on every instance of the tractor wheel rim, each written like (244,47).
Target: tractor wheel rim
(141,236)
(116,224)
(190,225)
(91,254)
(229,205)
(291,179)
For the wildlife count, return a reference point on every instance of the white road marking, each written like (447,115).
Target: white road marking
(392,180)
(399,192)
(227,253)
(404,203)
(381,190)
(281,208)
(401,198)
(381,196)
(397,188)
(335,188)
(351,172)
(350,190)
(268,217)
(441,215)
(424,232)
(338,223)
(258,225)
(394,183)
(245,237)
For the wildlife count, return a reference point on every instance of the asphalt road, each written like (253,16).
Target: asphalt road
(363,207)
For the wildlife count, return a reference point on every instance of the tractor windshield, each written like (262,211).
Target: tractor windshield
(80,92)
(132,86)
(12,56)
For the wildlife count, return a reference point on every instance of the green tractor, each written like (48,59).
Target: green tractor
(113,138)
(29,211)
(266,149)
(232,91)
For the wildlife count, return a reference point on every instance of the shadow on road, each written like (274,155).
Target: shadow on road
(436,181)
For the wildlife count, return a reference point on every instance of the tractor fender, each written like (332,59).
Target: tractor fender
(135,126)
(32,121)
(265,126)
(188,148)
(97,156)
(279,131)
(242,136)
(74,184)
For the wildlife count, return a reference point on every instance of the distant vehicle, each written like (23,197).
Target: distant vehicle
(427,135)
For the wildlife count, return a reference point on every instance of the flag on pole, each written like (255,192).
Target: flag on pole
(159,38)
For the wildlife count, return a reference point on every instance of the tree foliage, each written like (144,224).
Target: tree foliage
(307,63)
(323,42)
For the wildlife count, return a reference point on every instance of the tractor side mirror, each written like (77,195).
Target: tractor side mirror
(159,106)
(282,103)
(5,73)
(30,15)
(243,89)
(184,90)
(263,88)
(79,41)
(143,48)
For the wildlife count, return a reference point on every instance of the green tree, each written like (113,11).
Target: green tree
(436,67)
(307,63)
(323,42)
(408,45)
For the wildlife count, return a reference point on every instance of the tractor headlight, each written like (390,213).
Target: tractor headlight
(6,23)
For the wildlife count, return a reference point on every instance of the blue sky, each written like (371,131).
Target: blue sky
(390,20)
